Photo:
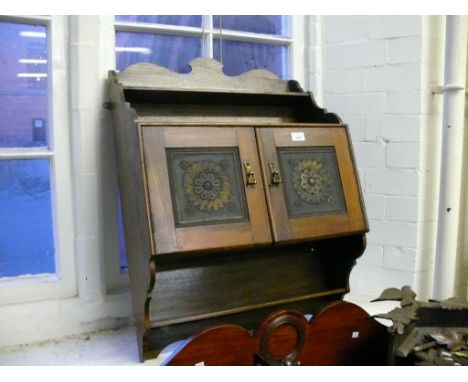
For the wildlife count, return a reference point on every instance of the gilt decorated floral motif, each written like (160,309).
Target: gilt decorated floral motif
(312,184)
(311,181)
(206,184)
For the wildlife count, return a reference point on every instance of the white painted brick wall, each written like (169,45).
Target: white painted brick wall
(344,29)
(372,280)
(375,77)
(393,128)
(392,182)
(404,102)
(395,77)
(387,27)
(404,50)
(345,81)
(357,104)
(370,154)
(399,258)
(375,206)
(392,233)
(356,54)
(403,155)
(357,127)
(314,58)
(401,209)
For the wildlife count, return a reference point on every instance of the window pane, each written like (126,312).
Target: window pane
(182,20)
(23,85)
(239,57)
(276,25)
(172,52)
(26,236)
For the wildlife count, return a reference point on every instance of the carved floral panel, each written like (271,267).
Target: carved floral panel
(206,186)
(312,183)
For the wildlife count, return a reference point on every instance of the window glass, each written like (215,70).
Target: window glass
(172,52)
(239,57)
(266,24)
(181,20)
(26,236)
(24,85)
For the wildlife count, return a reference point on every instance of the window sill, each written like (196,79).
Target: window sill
(105,348)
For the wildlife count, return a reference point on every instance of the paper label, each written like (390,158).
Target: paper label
(355,335)
(298,136)
(200,363)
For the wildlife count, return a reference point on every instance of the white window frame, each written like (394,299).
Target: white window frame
(117,281)
(62,284)
(294,42)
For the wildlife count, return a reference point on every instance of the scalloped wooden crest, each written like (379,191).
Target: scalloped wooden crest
(206,75)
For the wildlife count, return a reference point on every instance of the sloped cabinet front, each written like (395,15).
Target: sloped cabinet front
(313,190)
(204,187)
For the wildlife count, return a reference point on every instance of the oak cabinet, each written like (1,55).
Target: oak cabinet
(214,187)
(239,196)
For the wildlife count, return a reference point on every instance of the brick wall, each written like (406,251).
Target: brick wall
(377,74)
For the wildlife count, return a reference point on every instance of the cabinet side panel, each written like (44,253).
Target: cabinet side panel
(134,211)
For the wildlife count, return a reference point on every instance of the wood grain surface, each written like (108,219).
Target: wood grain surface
(342,334)
(186,279)
(306,228)
(206,75)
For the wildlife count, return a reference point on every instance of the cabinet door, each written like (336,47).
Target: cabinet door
(204,187)
(313,190)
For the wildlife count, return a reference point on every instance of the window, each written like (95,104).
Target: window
(24,78)
(27,242)
(240,43)
(31,163)
(245,43)
(58,231)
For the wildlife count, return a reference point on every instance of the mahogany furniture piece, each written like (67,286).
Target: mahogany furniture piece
(341,334)
(239,197)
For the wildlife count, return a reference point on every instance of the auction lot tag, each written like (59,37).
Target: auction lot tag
(297,136)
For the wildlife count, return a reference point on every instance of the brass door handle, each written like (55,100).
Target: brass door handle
(275,176)
(250,174)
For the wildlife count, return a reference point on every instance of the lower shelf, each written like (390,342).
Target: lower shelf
(214,285)
(334,292)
